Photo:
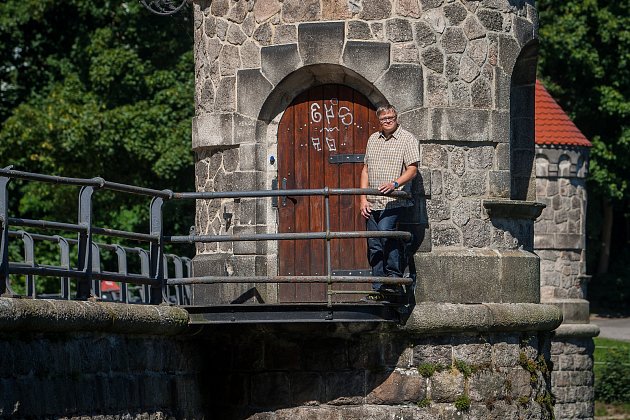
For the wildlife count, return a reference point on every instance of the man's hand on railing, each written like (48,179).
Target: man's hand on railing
(366,209)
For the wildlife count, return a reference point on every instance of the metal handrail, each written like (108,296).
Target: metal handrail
(154,275)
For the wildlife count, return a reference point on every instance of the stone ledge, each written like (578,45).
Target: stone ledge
(431,318)
(576,330)
(513,209)
(44,315)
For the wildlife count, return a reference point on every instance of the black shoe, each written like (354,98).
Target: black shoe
(377,297)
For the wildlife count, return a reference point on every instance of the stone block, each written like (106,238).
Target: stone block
(435,354)
(500,130)
(430,4)
(569,241)
(481,93)
(473,28)
(391,388)
(491,19)
(250,55)
(210,130)
(437,90)
(446,386)
(433,58)
(454,40)
(336,10)
(405,53)
(321,42)
(244,132)
(263,33)
(523,30)
(499,184)
(235,35)
(229,60)
(455,13)
(242,247)
(475,184)
(487,386)
(226,95)
(278,61)
(403,83)
(264,9)
(477,355)
(468,69)
(408,8)
(285,34)
(345,388)
(416,122)
(301,10)
(398,30)
(375,9)
(252,89)
(500,276)
(424,34)
(369,59)
(508,53)
(460,125)
(359,30)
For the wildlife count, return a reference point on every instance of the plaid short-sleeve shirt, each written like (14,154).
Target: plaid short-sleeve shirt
(386,160)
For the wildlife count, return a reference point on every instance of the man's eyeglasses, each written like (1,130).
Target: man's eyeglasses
(387,119)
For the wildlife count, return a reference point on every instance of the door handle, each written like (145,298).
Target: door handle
(284,187)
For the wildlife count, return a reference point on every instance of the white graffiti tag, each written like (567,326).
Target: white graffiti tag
(331,144)
(316,143)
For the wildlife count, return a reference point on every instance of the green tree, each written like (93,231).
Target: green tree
(97,88)
(585,64)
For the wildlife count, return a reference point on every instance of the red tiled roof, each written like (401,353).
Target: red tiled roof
(553,125)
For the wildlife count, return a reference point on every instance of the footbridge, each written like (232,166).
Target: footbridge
(163,278)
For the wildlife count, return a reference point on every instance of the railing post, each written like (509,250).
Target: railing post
(96,268)
(145,271)
(64,250)
(122,269)
(85,242)
(156,251)
(4,238)
(179,273)
(29,258)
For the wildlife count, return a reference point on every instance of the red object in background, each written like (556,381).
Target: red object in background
(553,125)
(109,286)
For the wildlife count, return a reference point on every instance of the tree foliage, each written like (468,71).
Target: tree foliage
(585,64)
(96,88)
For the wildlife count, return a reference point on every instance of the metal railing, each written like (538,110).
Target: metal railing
(153,279)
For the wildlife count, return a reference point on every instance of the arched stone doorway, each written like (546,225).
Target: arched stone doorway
(321,140)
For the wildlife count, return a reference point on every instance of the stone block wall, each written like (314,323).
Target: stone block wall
(331,372)
(561,229)
(559,236)
(572,377)
(71,375)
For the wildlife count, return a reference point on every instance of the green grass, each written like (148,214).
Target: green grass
(602,346)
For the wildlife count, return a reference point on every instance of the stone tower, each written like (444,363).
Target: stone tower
(462,76)
(561,170)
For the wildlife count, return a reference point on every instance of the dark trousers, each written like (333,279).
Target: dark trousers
(384,254)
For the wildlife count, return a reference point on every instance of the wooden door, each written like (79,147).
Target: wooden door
(321,127)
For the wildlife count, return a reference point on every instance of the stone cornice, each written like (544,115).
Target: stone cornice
(513,209)
(42,315)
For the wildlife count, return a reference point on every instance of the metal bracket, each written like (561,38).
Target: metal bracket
(346,158)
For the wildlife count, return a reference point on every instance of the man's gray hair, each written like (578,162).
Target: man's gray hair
(386,108)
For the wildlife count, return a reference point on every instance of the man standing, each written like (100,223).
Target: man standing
(391,161)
